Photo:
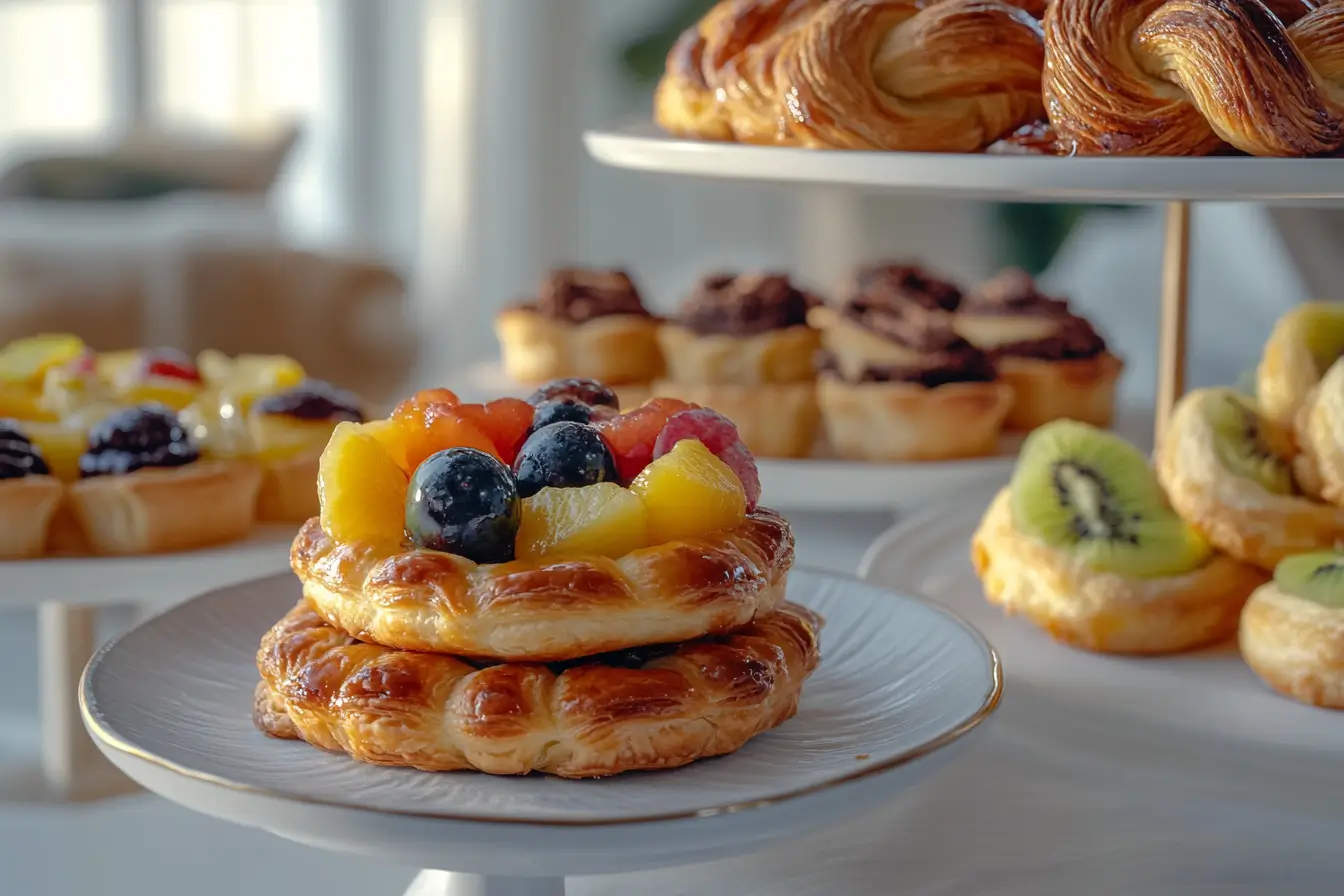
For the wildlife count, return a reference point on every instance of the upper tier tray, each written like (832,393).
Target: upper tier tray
(1118,179)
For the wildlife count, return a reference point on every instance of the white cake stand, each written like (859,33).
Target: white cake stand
(900,685)
(68,593)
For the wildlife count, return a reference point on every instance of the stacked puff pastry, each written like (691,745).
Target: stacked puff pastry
(627,612)
(1133,77)
(1235,528)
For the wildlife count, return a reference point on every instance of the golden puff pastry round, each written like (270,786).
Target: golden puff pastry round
(1292,630)
(1186,77)
(1104,611)
(546,611)
(1227,471)
(1319,469)
(643,710)
(1303,345)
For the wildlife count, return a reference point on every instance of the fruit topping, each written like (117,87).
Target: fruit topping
(602,519)
(632,435)
(417,403)
(61,445)
(168,363)
(563,455)
(27,360)
(1090,494)
(719,434)
(136,438)
(506,422)
(311,400)
(362,489)
(1317,577)
(19,457)
(590,392)
(689,492)
(560,410)
(261,373)
(464,502)
(1247,445)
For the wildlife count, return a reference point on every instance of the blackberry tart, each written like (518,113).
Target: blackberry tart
(145,488)
(29,494)
(742,345)
(897,382)
(583,323)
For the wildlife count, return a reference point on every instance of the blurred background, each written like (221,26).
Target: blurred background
(361,183)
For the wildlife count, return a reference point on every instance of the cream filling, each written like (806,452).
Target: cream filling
(990,331)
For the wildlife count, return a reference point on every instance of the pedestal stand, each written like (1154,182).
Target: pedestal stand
(1175,314)
(447,883)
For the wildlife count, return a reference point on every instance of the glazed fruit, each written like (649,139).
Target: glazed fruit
(19,457)
(134,439)
(163,376)
(168,363)
(463,501)
(1317,577)
(437,427)
(719,434)
(563,455)
(590,392)
(362,489)
(1088,492)
(561,410)
(506,422)
(27,360)
(689,492)
(416,404)
(311,400)
(1249,446)
(61,445)
(632,435)
(602,519)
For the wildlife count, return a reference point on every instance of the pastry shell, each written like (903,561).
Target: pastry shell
(416,599)
(1319,433)
(908,421)
(159,510)
(594,718)
(27,506)
(617,349)
(1081,389)
(288,490)
(773,421)
(1101,611)
(1295,645)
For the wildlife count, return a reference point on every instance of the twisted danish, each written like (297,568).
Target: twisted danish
(596,717)
(1183,77)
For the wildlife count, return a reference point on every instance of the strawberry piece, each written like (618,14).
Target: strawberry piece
(169,364)
(505,421)
(631,436)
(719,434)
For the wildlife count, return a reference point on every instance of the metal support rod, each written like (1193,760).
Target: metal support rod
(1175,313)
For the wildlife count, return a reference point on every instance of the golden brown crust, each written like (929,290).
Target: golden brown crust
(594,718)
(424,600)
(774,421)
(1295,645)
(1081,389)
(1289,368)
(1105,612)
(27,506)
(684,104)
(907,421)
(156,511)
(1183,77)
(288,492)
(617,349)
(1320,436)
(1237,514)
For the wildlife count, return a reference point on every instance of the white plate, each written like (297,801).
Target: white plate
(1202,713)
(900,679)
(825,484)
(964,175)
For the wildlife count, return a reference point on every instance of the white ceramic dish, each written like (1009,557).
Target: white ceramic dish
(170,703)
(1199,715)
(643,147)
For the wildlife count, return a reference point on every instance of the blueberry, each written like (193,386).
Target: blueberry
(464,502)
(312,400)
(590,392)
(129,440)
(18,456)
(560,410)
(563,455)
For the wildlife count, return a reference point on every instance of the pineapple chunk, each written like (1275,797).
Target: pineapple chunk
(362,490)
(61,445)
(689,492)
(602,519)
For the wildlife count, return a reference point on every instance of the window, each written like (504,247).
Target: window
(53,67)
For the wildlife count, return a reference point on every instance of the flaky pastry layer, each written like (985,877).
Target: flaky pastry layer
(1289,368)
(600,716)
(617,349)
(27,507)
(1101,611)
(1295,645)
(415,599)
(1320,437)
(1081,389)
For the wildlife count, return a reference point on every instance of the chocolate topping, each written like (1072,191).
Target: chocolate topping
(1014,292)
(746,304)
(312,400)
(964,365)
(579,295)
(894,285)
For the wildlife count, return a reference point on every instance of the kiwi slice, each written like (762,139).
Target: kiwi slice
(1246,444)
(1323,327)
(1317,577)
(1090,493)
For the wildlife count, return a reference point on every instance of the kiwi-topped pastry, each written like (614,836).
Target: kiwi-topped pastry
(29,494)
(741,343)
(897,382)
(583,323)
(1301,348)
(1292,629)
(1319,435)
(1057,363)
(1229,472)
(1084,543)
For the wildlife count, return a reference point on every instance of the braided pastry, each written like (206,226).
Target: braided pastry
(1184,77)
(597,717)
(546,611)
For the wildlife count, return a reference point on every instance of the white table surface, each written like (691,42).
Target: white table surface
(999,823)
